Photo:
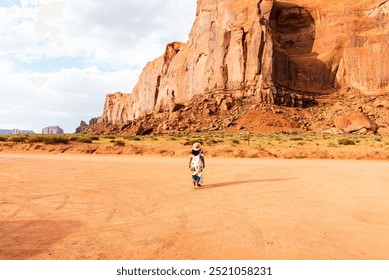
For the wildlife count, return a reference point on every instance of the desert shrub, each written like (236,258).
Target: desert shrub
(296,139)
(60,139)
(57,139)
(212,141)
(94,138)
(74,138)
(199,140)
(235,141)
(84,140)
(345,142)
(190,142)
(378,139)
(48,139)
(17,138)
(220,140)
(3,138)
(133,138)
(110,137)
(35,139)
(178,135)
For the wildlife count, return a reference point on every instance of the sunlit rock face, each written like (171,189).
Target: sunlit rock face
(324,45)
(262,47)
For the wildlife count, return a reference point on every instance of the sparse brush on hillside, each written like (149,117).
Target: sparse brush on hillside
(36,139)
(74,138)
(82,137)
(281,145)
(133,138)
(190,142)
(346,142)
(48,139)
(56,140)
(296,139)
(17,138)
(84,140)
(213,141)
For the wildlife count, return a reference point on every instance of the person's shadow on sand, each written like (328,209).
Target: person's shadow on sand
(226,184)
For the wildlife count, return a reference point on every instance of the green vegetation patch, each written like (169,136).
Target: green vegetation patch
(346,141)
(17,138)
(84,140)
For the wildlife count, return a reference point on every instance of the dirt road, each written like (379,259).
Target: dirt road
(119,207)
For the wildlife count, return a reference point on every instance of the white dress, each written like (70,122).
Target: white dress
(197,167)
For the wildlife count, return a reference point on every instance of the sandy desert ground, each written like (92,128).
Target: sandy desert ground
(128,207)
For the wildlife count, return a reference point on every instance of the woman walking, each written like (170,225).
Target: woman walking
(197,164)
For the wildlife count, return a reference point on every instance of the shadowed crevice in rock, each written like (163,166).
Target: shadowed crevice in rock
(171,51)
(244,48)
(295,66)
(224,67)
(157,89)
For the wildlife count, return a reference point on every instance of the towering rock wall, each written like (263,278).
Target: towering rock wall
(364,59)
(230,50)
(252,47)
(230,47)
(324,45)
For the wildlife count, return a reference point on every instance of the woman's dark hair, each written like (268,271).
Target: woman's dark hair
(195,153)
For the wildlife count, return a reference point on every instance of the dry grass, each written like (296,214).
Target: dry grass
(215,144)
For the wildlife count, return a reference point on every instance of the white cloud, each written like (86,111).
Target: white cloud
(60,98)
(95,29)
(58,59)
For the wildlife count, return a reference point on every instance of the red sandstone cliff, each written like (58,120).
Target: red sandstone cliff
(265,50)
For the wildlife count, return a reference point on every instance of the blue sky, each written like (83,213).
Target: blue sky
(58,59)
